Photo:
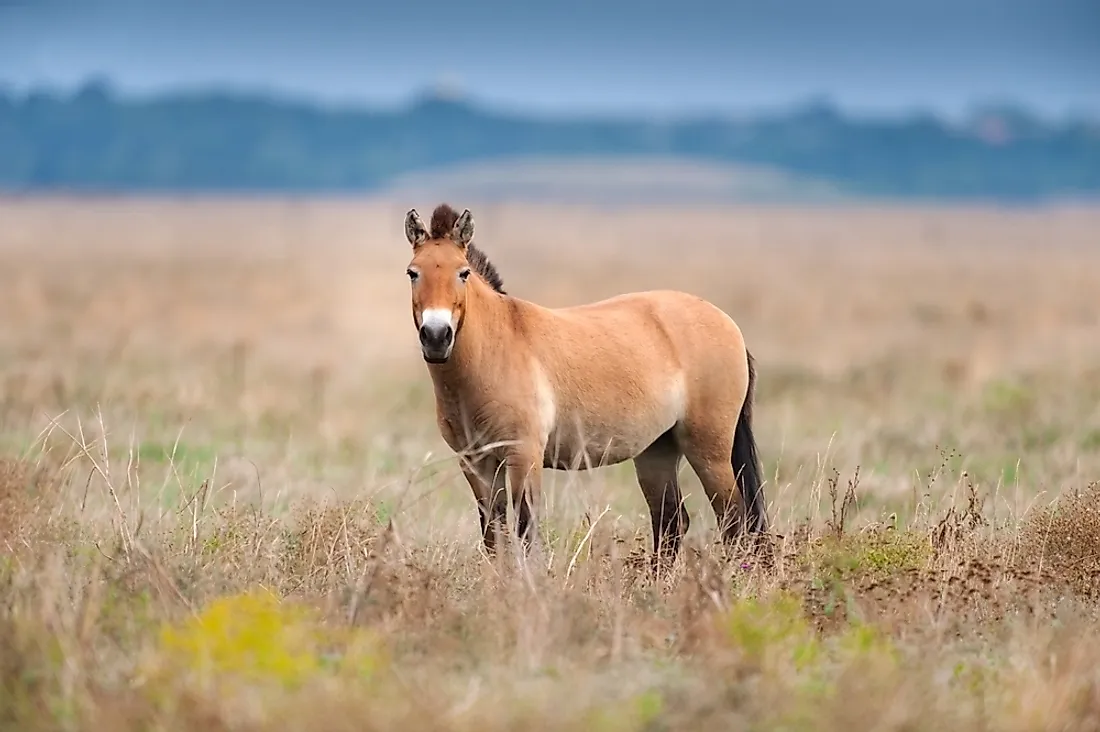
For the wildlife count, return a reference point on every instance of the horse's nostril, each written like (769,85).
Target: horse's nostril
(436,335)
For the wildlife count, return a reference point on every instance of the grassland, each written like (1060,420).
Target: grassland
(224,505)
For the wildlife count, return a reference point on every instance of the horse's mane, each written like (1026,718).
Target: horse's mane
(443,223)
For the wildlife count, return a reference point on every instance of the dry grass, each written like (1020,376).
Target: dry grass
(223,503)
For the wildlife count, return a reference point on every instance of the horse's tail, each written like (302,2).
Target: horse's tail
(746,464)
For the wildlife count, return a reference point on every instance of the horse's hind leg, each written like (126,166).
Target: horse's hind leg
(656,469)
(707,449)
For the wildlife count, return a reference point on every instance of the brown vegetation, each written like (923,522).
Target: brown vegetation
(224,503)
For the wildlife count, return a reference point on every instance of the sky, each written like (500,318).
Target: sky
(668,58)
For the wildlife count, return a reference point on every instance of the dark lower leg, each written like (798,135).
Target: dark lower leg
(656,469)
(669,520)
(494,518)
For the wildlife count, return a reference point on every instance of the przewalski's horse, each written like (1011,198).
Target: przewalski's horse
(651,377)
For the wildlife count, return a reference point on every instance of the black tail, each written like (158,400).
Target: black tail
(746,464)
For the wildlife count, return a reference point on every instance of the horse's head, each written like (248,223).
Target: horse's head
(438,273)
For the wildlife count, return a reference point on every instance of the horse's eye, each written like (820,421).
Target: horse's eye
(413,274)
(463,274)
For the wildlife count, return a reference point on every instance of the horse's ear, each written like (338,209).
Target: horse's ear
(415,231)
(463,230)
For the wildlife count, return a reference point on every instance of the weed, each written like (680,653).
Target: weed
(257,637)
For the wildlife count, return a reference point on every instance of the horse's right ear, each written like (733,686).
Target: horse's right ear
(415,231)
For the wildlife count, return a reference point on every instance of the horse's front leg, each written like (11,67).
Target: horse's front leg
(486,478)
(525,480)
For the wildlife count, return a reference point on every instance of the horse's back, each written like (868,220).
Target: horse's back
(664,323)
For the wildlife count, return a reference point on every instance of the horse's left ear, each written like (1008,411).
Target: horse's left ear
(463,230)
(415,231)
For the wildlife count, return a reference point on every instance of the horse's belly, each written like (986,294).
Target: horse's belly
(579,448)
(615,423)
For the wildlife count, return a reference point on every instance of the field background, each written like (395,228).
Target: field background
(207,400)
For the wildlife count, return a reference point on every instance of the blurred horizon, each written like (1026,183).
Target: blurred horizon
(447,92)
(985,99)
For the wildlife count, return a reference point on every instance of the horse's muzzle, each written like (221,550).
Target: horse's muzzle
(436,342)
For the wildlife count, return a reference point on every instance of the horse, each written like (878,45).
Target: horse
(653,377)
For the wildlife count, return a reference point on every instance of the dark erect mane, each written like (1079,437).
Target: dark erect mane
(443,223)
(481,264)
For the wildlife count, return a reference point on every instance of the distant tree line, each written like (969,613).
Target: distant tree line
(93,140)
